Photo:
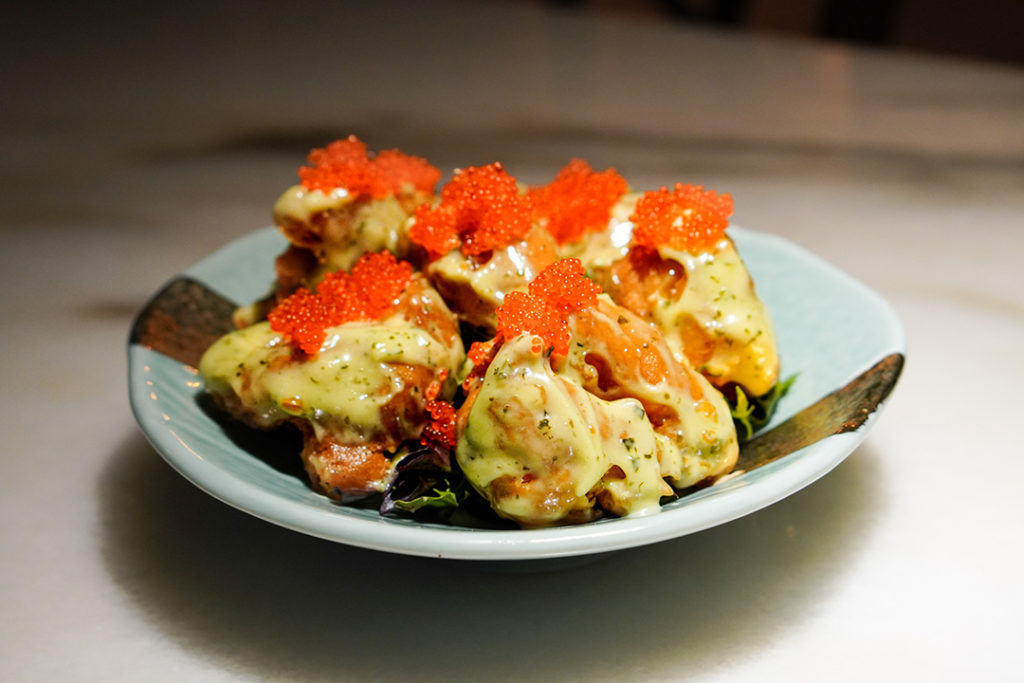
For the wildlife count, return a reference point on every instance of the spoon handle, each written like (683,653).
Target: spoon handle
(182,320)
(844,410)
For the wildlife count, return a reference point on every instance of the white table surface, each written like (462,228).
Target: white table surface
(134,144)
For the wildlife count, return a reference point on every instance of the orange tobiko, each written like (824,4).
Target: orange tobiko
(347,164)
(440,430)
(370,292)
(579,200)
(688,218)
(481,210)
(559,289)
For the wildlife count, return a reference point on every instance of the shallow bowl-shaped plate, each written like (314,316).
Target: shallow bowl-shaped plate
(830,329)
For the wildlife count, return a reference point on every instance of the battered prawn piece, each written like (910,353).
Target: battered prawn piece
(683,273)
(481,242)
(579,406)
(627,357)
(353,364)
(348,202)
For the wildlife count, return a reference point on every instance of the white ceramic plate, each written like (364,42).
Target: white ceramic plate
(830,328)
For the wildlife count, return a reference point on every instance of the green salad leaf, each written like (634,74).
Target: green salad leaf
(436,498)
(750,413)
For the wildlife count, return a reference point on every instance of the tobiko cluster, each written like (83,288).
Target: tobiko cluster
(481,209)
(688,218)
(347,164)
(560,289)
(579,200)
(368,293)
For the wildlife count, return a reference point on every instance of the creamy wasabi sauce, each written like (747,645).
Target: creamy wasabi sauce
(300,204)
(701,442)
(556,442)
(341,390)
(599,250)
(508,270)
(353,225)
(720,296)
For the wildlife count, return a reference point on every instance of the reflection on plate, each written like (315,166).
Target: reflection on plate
(830,328)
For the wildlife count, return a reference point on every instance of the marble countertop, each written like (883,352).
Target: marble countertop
(134,144)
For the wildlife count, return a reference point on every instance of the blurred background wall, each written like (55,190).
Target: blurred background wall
(985,29)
